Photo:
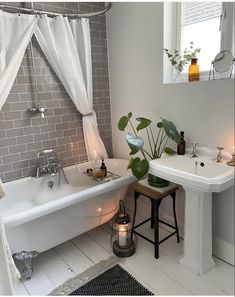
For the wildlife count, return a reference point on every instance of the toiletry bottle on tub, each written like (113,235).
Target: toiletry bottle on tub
(181,146)
(103,168)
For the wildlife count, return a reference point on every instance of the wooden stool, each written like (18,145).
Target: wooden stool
(155,195)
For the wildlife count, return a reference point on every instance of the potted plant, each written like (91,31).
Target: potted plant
(157,145)
(179,61)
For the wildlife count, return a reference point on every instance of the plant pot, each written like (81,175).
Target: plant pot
(157,182)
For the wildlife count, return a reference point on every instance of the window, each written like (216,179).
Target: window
(209,25)
(201,24)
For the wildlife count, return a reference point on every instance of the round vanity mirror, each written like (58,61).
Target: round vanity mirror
(222,65)
(223,61)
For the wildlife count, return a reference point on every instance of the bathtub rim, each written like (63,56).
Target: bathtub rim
(55,205)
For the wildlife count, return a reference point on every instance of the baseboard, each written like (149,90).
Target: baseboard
(223,250)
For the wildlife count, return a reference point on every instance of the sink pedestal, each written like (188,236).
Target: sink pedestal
(198,231)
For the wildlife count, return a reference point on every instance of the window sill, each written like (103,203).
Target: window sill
(203,77)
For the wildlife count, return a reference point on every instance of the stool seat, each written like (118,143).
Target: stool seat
(143,187)
(155,195)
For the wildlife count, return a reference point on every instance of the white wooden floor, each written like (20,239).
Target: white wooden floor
(164,276)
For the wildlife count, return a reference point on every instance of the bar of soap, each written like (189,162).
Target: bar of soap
(98,173)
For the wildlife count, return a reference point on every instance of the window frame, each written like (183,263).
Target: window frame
(227,34)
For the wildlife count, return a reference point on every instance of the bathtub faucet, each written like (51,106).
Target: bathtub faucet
(50,164)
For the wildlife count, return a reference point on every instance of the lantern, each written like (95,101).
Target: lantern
(122,239)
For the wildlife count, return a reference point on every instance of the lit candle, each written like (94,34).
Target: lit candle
(122,235)
(234,150)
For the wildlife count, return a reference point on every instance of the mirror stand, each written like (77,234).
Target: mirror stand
(222,65)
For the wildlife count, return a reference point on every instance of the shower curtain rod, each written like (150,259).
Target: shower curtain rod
(54,14)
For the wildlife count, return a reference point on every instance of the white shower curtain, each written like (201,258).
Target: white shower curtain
(63,46)
(15,34)
(9,274)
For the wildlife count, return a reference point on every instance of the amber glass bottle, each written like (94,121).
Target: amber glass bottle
(181,146)
(193,70)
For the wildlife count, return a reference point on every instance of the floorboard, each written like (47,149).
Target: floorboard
(74,257)
(91,248)
(164,276)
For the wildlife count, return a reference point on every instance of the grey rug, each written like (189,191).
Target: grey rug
(103,279)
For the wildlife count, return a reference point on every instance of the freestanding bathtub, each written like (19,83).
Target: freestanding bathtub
(37,217)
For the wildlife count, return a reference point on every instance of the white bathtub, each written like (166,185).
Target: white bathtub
(38,218)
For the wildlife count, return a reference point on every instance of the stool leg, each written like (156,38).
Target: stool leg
(175,218)
(156,205)
(136,196)
(152,214)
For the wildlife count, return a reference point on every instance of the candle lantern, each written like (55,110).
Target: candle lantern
(123,241)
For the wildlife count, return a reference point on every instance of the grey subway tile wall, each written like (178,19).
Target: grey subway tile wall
(23,134)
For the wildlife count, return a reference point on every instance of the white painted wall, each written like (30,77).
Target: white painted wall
(204,110)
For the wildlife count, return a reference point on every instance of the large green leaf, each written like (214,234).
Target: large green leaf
(169,151)
(135,143)
(171,131)
(123,123)
(144,123)
(139,167)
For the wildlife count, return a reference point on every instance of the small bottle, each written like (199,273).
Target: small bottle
(193,70)
(103,168)
(181,146)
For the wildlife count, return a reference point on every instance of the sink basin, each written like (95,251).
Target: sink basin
(199,177)
(199,173)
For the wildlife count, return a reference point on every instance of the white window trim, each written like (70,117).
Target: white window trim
(227,37)
(227,27)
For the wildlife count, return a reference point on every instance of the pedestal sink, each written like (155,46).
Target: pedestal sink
(199,177)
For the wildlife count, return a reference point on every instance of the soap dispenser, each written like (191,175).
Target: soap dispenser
(103,168)
(181,146)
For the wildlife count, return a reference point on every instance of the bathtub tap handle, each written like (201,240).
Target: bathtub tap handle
(38,174)
(53,168)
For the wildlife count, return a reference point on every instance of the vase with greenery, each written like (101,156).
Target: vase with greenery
(155,148)
(179,61)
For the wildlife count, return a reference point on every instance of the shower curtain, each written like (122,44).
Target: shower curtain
(62,44)
(15,34)
(9,274)
(67,47)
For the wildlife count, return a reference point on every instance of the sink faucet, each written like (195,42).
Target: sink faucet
(50,165)
(194,151)
(218,158)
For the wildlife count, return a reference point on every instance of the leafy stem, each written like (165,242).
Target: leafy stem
(150,144)
(163,148)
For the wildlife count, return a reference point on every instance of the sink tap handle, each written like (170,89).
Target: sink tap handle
(220,148)
(194,152)
(219,157)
